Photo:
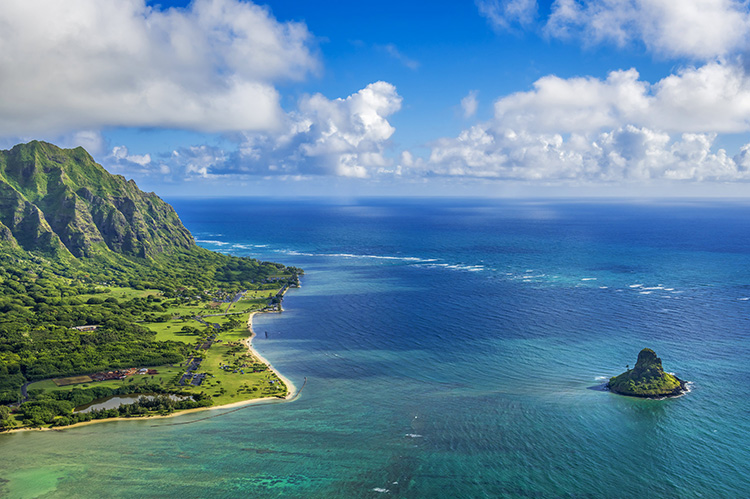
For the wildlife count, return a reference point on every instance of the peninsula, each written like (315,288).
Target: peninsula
(647,379)
(104,293)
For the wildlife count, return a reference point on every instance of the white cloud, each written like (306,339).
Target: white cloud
(700,29)
(90,140)
(624,154)
(89,64)
(121,153)
(120,161)
(617,129)
(711,98)
(504,14)
(343,137)
(575,104)
(469,104)
(340,137)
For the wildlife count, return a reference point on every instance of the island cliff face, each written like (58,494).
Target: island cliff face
(647,379)
(61,202)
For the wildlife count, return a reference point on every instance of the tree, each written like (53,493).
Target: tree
(6,418)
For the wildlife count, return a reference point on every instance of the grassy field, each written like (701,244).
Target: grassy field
(166,374)
(262,293)
(223,385)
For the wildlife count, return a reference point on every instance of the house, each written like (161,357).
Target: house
(86,328)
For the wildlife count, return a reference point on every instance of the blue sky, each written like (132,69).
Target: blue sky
(484,98)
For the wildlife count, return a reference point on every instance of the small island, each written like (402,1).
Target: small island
(647,379)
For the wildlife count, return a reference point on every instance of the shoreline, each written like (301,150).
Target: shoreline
(248,342)
(291,390)
(677,392)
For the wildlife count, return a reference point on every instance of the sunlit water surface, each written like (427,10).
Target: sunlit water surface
(455,349)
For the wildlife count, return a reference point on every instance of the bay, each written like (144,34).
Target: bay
(455,349)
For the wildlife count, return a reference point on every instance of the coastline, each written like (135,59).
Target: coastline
(290,387)
(291,390)
(677,392)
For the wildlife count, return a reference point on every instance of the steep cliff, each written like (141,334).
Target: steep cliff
(61,201)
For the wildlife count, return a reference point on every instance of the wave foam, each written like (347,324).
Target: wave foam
(456,266)
(211,241)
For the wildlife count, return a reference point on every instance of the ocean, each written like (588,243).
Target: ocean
(455,348)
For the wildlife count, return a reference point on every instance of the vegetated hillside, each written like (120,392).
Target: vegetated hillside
(69,229)
(646,379)
(61,201)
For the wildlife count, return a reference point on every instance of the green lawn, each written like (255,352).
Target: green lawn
(262,293)
(236,386)
(225,386)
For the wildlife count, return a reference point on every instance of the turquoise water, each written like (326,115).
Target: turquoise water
(456,349)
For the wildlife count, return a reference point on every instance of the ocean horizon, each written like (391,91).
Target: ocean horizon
(455,348)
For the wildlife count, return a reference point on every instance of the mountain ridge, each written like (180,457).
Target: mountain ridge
(61,202)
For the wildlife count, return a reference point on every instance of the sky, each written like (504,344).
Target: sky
(490,98)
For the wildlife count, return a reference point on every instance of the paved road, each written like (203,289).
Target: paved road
(213,324)
(236,298)
(24,393)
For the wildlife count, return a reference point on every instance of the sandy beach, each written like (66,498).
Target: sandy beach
(291,393)
(291,389)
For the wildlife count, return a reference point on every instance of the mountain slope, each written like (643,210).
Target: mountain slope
(60,201)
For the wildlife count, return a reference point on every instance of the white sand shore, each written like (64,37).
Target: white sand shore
(291,389)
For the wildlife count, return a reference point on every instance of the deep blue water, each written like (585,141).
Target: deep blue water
(455,349)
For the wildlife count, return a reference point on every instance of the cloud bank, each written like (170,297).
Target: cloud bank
(712,98)
(344,137)
(90,64)
(608,130)
(699,29)
(693,29)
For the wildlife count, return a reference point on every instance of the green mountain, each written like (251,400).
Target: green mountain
(647,379)
(82,247)
(62,203)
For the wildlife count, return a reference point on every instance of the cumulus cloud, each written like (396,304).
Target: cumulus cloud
(340,137)
(120,161)
(89,64)
(198,161)
(711,98)
(121,153)
(628,153)
(699,29)
(607,130)
(503,15)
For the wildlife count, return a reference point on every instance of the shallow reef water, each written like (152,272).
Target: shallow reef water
(449,349)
